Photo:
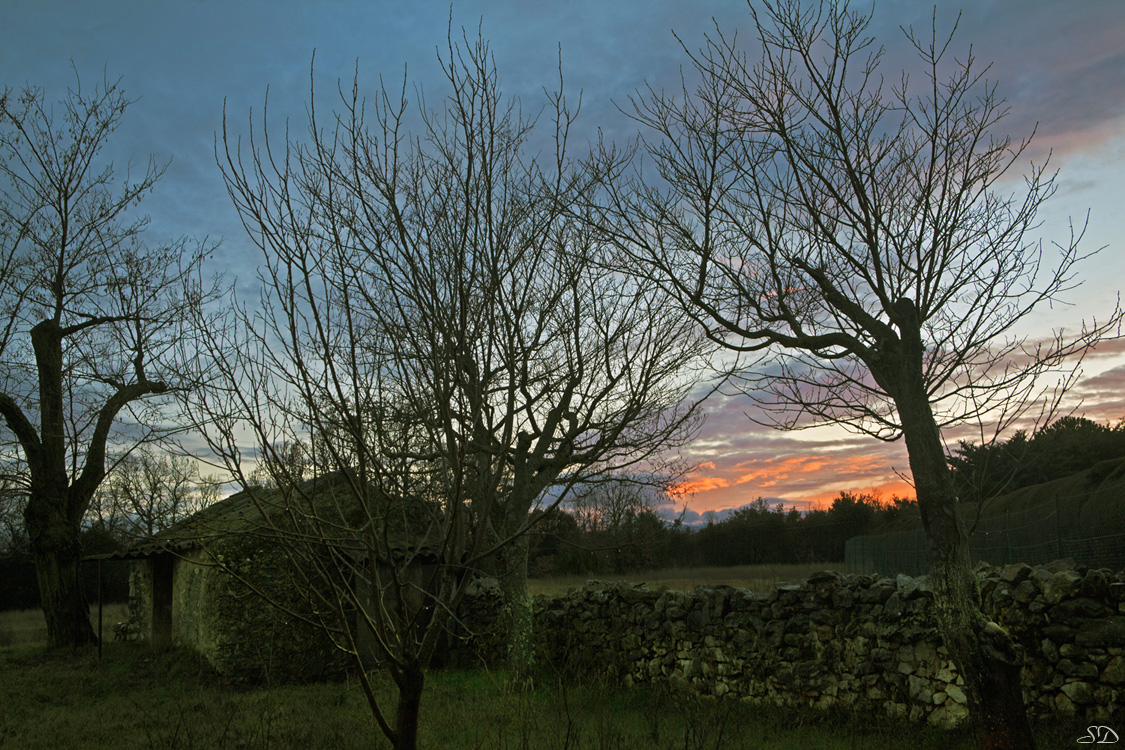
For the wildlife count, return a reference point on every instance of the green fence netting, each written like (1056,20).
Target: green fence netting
(1087,526)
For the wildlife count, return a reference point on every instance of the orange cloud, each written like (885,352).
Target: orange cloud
(745,462)
(702,484)
(803,480)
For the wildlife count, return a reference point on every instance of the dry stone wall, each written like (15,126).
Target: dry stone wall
(861,642)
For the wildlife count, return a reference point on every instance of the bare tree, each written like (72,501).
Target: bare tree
(89,316)
(13,497)
(146,492)
(857,234)
(438,325)
(617,516)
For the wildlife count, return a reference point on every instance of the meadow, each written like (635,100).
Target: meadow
(138,697)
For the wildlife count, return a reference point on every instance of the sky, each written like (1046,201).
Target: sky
(1061,67)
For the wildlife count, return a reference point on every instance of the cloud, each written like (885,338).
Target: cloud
(1059,66)
(700,484)
(744,460)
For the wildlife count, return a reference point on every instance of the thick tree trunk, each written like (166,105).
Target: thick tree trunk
(57,554)
(987,657)
(53,515)
(410,682)
(512,575)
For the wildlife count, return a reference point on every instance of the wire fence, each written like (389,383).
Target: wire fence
(1087,526)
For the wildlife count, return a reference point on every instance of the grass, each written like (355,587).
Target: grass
(28,627)
(762,578)
(136,697)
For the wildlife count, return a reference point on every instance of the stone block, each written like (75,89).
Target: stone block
(1083,670)
(1015,574)
(1025,592)
(949,715)
(1096,584)
(1109,631)
(1079,693)
(1081,608)
(1059,633)
(892,608)
(919,688)
(878,593)
(1060,586)
(956,694)
(1064,706)
(1114,671)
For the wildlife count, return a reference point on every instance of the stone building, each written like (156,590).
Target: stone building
(249,581)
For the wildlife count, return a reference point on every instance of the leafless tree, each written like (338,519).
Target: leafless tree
(610,505)
(437,323)
(89,316)
(13,497)
(617,516)
(856,233)
(146,492)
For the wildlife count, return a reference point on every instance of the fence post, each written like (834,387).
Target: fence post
(1008,536)
(920,539)
(1058,530)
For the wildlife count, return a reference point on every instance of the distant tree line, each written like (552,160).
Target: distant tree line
(610,528)
(625,537)
(615,529)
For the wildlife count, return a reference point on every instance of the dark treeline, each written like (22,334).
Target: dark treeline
(18,587)
(615,529)
(567,543)
(620,532)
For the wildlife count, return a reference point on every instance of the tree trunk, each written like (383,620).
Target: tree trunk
(986,656)
(52,517)
(410,682)
(517,613)
(57,555)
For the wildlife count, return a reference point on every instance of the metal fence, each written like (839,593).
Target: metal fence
(1087,526)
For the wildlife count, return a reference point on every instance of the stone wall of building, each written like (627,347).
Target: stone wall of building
(224,617)
(860,642)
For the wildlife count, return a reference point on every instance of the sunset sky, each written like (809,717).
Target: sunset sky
(1061,67)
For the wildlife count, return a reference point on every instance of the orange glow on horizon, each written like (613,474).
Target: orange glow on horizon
(823,500)
(805,481)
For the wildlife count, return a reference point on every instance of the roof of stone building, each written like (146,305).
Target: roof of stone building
(328,507)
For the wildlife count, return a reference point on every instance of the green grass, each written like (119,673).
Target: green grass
(135,697)
(761,578)
(27,627)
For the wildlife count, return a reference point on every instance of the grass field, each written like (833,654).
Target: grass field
(135,697)
(27,627)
